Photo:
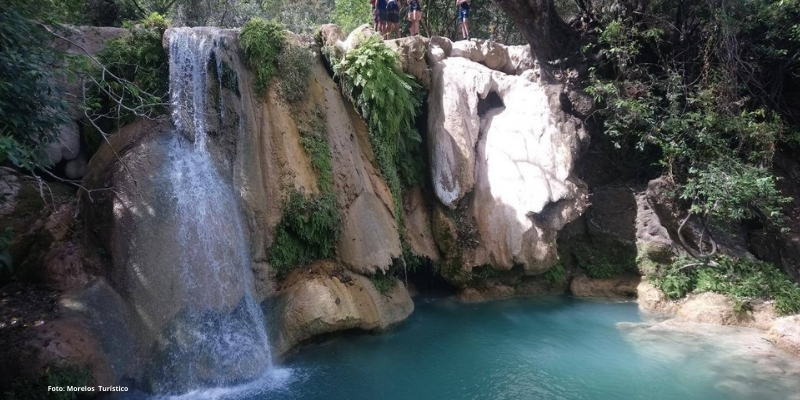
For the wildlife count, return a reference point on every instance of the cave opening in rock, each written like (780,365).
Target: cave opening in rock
(490,102)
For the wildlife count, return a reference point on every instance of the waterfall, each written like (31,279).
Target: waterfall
(218,337)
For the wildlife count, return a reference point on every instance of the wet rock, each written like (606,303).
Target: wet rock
(417,222)
(411,51)
(326,298)
(653,299)
(625,286)
(785,333)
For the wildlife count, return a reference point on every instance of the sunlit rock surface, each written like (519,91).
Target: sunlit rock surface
(325,297)
(503,140)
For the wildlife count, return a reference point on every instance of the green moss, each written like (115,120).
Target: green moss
(269,53)
(310,225)
(229,79)
(601,261)
(740,279)
(294,67)
(57,376)
(384,283)
(313,137)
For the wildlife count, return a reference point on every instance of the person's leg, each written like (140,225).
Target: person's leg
(465,28)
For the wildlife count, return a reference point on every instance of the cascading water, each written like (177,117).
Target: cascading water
(217,336)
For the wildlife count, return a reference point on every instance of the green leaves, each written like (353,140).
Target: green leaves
(132,80)
(741,279)
(691,104)
(388,100)
(30,109)
(308,230)
(262,42)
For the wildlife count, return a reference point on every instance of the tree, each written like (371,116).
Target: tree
(551,39)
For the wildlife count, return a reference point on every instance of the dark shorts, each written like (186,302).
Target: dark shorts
(393,12)
(463,13)
(381,14)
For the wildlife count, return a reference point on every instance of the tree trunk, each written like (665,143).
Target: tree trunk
(551,39)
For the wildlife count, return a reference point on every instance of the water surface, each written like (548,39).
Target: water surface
(535,348)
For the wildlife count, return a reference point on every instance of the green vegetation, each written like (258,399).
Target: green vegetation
(310,224)
(294,67)
(308,230)
(743,280)
(601,264)
(36,390)
(132,80)
(269,53)
(30,113)
(262,42)
(385,96)
(708,94)
(384,282)
(683,94)
(556,275)
(350,14)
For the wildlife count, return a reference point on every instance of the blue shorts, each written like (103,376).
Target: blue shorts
(463,13)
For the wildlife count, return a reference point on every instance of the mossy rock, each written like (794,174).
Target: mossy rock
(652,256)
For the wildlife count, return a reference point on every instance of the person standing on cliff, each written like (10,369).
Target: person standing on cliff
(392,19)
(381,10)
(463,14)
(414,15)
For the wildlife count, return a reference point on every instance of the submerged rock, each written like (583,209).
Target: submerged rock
(325,298)
(707,307)
(785,333)
(739,358)
(624,286)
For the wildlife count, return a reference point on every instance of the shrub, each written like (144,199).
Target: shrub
(135,81)
(739,278)
(387,99)
(308,230)
(556,275)
(262,42)
(30,112)
(294,66)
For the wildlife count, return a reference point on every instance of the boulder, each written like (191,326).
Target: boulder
(785,333)
(624,286)
(495,55)
(706,307)
(469,50)
(653,299)
(653,244)
(411,51)
(326,298)
(520,59)
(41,216)
(76,169)
(493,135)
(454,126)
